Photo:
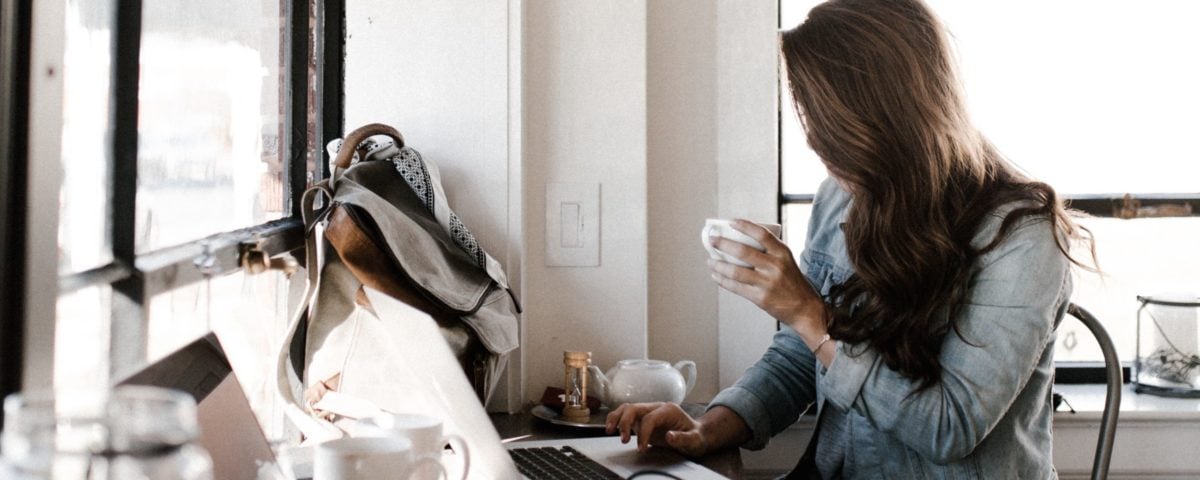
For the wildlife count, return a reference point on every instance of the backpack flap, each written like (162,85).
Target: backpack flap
(425,252)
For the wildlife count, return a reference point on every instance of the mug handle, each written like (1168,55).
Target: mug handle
(460,447)
(422,463)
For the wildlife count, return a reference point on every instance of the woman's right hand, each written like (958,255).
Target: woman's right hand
(658,424)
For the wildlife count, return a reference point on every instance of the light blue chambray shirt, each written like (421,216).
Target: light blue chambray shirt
(989,417)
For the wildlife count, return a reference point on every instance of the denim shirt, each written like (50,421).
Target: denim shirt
(990,414)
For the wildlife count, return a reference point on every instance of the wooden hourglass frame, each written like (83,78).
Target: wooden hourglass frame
(575,372)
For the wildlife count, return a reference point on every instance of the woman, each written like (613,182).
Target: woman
(922,312)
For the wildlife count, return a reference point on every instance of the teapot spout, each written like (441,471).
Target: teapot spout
(687,368)
(599,382)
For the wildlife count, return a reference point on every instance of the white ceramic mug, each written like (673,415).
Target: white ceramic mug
(369,459)
(428,440)
(724,228)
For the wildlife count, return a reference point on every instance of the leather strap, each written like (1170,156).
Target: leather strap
(345,155)
(311,427)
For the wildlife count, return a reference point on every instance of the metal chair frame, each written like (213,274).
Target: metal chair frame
(1112,397)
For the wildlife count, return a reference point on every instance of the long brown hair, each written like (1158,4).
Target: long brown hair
(875,85)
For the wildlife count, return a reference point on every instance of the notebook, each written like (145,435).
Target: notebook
(440,388)
(229,431)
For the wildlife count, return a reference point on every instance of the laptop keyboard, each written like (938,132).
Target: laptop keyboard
(553,463)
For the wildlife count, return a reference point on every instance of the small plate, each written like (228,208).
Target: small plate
(595,421)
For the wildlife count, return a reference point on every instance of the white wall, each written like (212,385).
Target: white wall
(585,121)
(634,96)
(45,144)
(682,179)
(748,157)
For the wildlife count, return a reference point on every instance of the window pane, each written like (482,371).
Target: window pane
(210,119)
(795,226)
(247,312)
(81,339)
(801,168)
(1074,104)
(1086,110)
(83,233)
(1138,257)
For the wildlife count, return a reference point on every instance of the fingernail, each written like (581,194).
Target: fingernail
(714,277)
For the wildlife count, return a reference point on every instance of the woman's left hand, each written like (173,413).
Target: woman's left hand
(773,281)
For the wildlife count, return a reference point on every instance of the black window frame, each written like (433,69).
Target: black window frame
(314,32)
(15,19)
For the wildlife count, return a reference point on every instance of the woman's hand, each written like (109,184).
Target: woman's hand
(773,281)
(658,424)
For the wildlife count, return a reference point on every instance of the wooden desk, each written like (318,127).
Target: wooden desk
(726,462)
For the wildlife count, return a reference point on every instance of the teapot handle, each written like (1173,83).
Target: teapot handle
(688,369)
(597,379)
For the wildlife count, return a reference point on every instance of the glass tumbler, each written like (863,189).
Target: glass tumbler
(1168,346)
(128,433)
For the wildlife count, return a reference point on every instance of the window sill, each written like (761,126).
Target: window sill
(1088,401)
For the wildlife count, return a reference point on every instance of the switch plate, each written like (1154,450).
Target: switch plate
(572,224)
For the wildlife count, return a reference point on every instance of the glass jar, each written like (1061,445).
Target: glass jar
(1168,346)
(129,433)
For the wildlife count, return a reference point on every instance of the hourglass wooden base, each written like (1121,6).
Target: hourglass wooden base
(575,413)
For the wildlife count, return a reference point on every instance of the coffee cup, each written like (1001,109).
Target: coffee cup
(427,438)
(721,227)
(370,459)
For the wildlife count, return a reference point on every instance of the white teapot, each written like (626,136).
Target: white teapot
(637,380)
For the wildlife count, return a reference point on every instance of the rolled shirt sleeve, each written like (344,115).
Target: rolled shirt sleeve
(775,390)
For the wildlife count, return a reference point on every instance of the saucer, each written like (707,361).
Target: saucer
(595,421)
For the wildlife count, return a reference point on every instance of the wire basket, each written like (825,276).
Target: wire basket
(1168,346)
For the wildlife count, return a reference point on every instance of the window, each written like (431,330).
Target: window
(189,133)
(1094,114)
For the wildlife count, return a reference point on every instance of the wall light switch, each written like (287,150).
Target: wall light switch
(572,224)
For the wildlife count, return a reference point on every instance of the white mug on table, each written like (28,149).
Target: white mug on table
(370,459)
(723,228)
(425,433)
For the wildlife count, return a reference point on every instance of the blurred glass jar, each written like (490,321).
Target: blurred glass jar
(1168,346)
(129,433)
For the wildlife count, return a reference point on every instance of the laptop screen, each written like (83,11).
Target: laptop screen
(229,431)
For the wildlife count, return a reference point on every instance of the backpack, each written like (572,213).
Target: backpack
(384,222)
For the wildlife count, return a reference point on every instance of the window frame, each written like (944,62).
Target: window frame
(15,20)
(134,278)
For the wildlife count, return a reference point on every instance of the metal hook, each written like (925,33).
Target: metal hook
(256,260)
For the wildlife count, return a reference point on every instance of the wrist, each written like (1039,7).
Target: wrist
(824,339)
(811,325)
(721,427)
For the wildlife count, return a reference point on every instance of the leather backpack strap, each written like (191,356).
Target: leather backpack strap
(345,155)
(311,427)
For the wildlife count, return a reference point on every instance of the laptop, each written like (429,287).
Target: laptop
(440,388)
(229,431)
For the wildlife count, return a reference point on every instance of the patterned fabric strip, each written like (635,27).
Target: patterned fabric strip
(411,166)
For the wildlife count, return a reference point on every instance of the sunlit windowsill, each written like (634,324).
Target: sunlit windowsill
(1088,401)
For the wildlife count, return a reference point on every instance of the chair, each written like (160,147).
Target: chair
(1112,398)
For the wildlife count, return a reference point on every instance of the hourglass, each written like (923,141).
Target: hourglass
(575,371)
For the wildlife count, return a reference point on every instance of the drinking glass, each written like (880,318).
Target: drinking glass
(130,432)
